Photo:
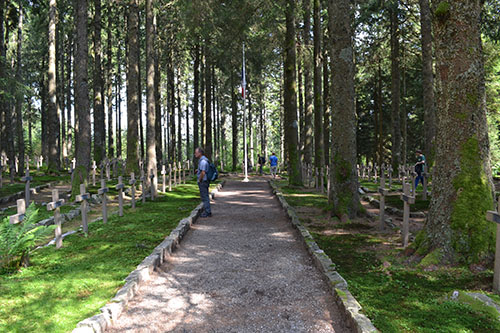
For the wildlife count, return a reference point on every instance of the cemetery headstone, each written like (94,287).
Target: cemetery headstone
(27,191)
(21,211)
(102,191)
(55,206)
(494,216)
(83,197)
(408,200)
(120,186)
(94,167)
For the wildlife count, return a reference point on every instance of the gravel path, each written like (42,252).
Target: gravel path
(243,270)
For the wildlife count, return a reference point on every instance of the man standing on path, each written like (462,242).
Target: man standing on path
(203,182)
(274,164)
(261,160)
(419,168)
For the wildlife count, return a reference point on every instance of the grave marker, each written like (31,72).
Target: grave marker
(55,206)
(132,182)
(83,197)
(494,216)
(27,191)
(28,162)
(408,200)
(170,177)
(94,167)
(102,191)
(163,173)
(21,211)
(120,186)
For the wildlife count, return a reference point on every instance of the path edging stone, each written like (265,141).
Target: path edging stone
(349,306)
(111,311)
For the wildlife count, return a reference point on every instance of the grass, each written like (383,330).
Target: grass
(38,179)
(395,295)
(63,287)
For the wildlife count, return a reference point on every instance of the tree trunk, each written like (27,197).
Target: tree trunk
(326,104)
(82,102)
(300,81)
(99,126)
(133,87)
(19,97)
(308,88)
(179,116)
(234,124)
(188,140)
(456,227)
(53,135)
(118,99)
(208,106)
(69,128)
(427,79)
(159,148)
(151,100)
(3,105)
(344,177)
(196,97)
(171,108)
(318,111)
(109,80)
(395,87)
(290,97)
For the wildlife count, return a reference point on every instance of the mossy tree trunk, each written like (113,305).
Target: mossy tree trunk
(133,87)
(395,87)
(319,154)
(456,228)
(308,87)
(290,97)
(53,135)
(98,83)
(344,178)
(151,100)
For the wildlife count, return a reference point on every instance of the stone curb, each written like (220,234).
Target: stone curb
(111,311)
(350,307)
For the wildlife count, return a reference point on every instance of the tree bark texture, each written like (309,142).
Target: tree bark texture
(151,98)
(319,154)
(53,119)
(395,86)
(308,87)
(98,83)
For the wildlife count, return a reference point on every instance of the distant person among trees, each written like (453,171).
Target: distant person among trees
(261,161)
(419,168)
(273,160)
(203,182)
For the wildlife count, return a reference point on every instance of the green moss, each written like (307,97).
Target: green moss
(472,234)
(442,10)
(478,306)
(420,244)
(433,258)
(341,294)
(473,99)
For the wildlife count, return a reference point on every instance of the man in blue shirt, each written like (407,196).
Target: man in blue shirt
(274,164)
(203,182)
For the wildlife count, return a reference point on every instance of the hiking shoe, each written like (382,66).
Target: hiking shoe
(205,215)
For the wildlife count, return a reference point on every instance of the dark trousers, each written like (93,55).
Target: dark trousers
(419,178)
(205,198)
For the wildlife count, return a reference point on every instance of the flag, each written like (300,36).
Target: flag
(243,77)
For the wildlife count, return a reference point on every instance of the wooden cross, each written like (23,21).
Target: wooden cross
(163,173)
(55,206)
(27,178)
(383,193)
(120,186)
(132,182)
(408,200)
(375,173)
(494,216)
(102,191)
(94,167)
(21,211)
(151,181)
(83,197)
(28,162)
(17,164)
(170,177)
(143,186)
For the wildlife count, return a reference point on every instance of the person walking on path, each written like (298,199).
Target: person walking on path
(203,182)
(273,160)
(261,160)
(419,168)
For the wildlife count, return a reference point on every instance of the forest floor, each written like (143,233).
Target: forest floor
(243,270)
(396,292)
(63,287)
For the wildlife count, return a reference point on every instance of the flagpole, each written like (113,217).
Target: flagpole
(245,119)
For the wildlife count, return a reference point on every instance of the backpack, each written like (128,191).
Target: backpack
(212,173)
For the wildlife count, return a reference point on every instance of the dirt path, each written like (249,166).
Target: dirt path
(243,270)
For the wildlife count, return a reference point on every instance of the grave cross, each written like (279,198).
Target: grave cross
(132,182)
(408,200)
(383,193)
(163,173)
(21,210)
(27,178)
(94,167)
(17,164)
(102,191)
(55,206)
(83,197)
(493,216)
(28,162)
(120,186)
(375,173)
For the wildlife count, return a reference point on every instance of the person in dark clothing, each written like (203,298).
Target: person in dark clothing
(261,161)
(419,168)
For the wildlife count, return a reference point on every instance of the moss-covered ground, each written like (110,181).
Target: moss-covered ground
(38,179)
(63,287)
(395,292)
